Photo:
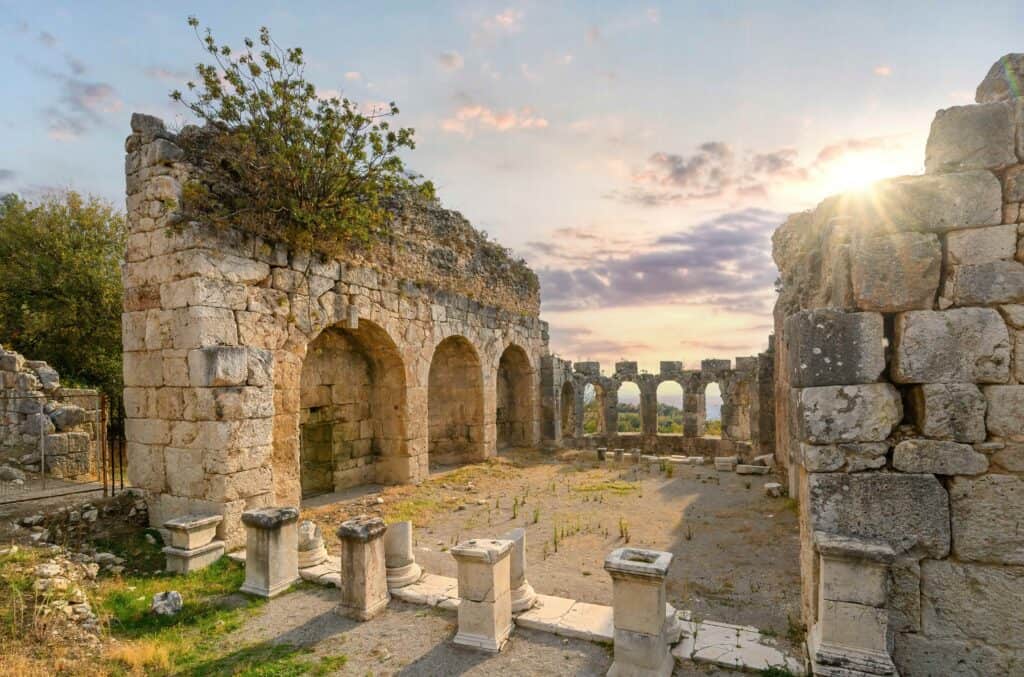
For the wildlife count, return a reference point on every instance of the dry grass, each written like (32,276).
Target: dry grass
(141,656)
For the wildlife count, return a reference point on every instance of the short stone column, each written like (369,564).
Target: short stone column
(485,606)
(638,608)
(399,560)
(849,637)
(364,584)
(271,554)
(192,545)
(523,594)
(311,545)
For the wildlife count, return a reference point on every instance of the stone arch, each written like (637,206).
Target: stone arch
(670,392)
(567,409)
(629,424)
(713,401)
(352,407)
(516,402)
(455,403)
(595,408)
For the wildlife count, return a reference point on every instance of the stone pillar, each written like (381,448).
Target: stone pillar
(311,545)
(638,589)
(271,550)
(523,595)
(364,585)
(849,637)
(694,405)
(399,561)
(648,405)
(485,607)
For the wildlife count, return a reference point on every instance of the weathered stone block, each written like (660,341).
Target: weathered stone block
(972,602)
(828,347)
(200,326)
(982,245)
(1005,417)
(953,411)
(916,655)
(1002,82)
(143,369)
(1010,457)
(986,283)
(909,512)
(987,519)
(203,291)
(940,457)
(971,137)
(857,413)
(933,203)
(218,366)
(1013,184)
(896,272)
(967,345)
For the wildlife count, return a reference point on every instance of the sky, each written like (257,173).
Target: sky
(637,155)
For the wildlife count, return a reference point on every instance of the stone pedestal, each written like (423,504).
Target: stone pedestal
(602,452)
(364,585)
(191,545)
(523,595)
(849,637)
(311,545)
(619,453)
(638,592)
(271,555)
(485,606)
(399,560)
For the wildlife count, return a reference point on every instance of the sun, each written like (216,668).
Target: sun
(855,172)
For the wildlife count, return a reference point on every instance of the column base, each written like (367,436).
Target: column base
(489,644)
(399,577)
(182,561)
(312,558)
(623,669)
(363,613)
(833,660)
(272,591)
(523,598)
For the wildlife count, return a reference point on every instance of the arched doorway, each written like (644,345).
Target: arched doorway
(455,403)
(670,408)
(351,407)
(515,405)
(593,410)
(713,410)
(629,413)
(568,409)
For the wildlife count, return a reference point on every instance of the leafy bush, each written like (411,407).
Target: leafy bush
(278,158)
(60,285)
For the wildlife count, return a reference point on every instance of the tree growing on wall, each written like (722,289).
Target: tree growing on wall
(60,285)
(278,157)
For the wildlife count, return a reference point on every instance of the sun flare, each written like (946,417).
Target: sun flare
(857,171)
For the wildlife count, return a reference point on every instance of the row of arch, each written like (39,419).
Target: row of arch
(669,407)
(356,406)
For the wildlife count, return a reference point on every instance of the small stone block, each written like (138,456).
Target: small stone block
(192,531)
(182,561)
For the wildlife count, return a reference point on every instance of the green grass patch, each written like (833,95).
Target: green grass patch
(139,554)
(618,487)
(266,660)
(417,509)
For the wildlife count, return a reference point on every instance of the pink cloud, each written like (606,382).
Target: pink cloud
(474,116)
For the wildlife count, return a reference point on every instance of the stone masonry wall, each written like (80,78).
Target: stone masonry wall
(32,405)
(900,386)
(217,325)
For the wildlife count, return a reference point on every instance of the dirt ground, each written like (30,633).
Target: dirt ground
(736,550)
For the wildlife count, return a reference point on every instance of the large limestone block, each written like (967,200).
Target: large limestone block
(966,345)
(973,602)
(1005,416)
(896,272)
(940,457)
(828,347)
(934,203)
(918,656)
(855,413)
(1003,81)
(909,512)
(987,518)
(986,283)
(971,137)
(850,457)
(954,411)
(982,245)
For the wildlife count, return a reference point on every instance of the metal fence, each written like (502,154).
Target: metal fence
(55,466)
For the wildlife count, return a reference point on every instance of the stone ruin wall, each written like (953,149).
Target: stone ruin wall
(900,388)
(237,349)
(34,404)
(746,393)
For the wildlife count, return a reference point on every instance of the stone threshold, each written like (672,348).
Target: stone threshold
(739,647)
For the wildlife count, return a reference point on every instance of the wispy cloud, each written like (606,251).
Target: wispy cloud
(510,20)
(166,74)
(353,75)
(883,71)
(47,39)
(725,261)
(835,151)
(470,118)
(451,60)
(7,175)
(80,107)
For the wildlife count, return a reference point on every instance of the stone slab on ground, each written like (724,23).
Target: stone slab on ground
(732,646)
(569,618)
(431,590)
